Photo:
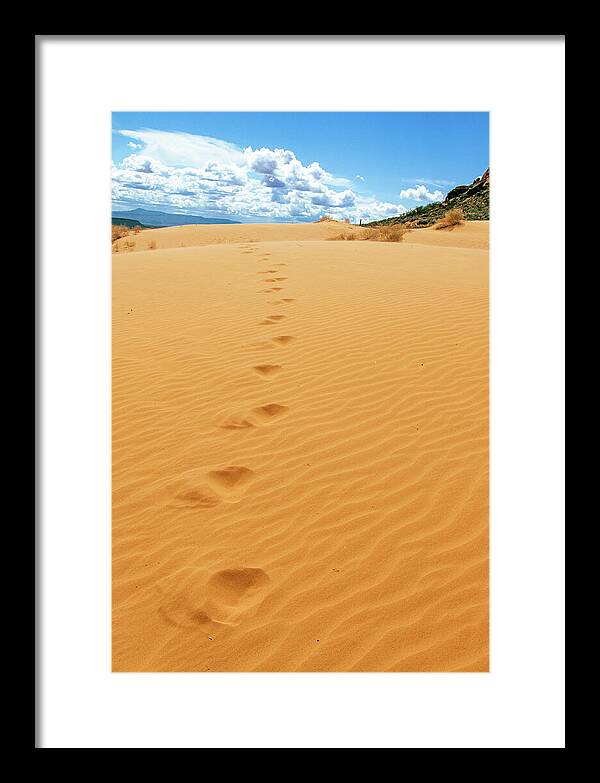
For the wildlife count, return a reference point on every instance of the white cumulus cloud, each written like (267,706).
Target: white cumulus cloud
(420,193)
(199,174)
(281,168)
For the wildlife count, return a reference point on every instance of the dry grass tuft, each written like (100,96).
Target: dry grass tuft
(118,232)
(451,219)
(346,236)
(390,233)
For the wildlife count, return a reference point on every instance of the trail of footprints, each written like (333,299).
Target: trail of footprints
(225,596)
(227,483)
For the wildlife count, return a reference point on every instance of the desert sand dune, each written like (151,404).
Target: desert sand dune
(300,468)
(246,235)
(473,234)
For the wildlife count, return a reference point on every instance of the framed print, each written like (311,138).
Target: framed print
(301,391)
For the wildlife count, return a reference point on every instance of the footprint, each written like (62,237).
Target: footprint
(236,424)
(283,339)
(267,272)
(199,489)
(279,279)
(178,611)
(287,301)
(230,478)
(271,410)
(276,289)
(199,497)
(191,599)
(234,586)
(183,600)
(267,369)
(276,317)
(263,414)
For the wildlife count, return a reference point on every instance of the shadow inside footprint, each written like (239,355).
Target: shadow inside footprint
(267,369)
(283,339)
(236,424)
(271,410)
(182,615)
(276,317)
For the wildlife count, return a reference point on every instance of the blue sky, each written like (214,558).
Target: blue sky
(273,167)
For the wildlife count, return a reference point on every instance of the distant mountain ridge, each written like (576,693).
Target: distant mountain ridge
(129,223)
(150,218)
(473,199)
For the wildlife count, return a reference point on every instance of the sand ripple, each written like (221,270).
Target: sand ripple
(301,487)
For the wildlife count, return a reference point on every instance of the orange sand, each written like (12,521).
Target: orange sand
(300,450)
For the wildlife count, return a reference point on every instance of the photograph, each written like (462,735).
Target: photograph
(300,401)
(300,421)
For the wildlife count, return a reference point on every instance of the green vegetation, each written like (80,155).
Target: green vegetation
(473,200)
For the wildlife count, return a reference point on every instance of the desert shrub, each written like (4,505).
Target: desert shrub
(118,232)
(325,218)
(345,236)
(452,218)
(388,233)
